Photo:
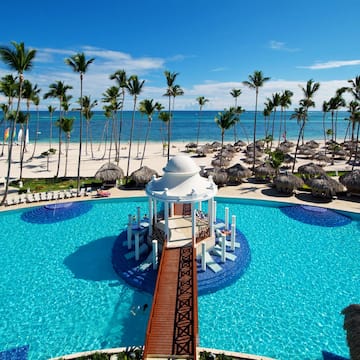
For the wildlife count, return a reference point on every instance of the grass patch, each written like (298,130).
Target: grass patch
(55,184)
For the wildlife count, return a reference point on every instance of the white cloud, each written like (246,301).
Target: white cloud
(279,45)
(331,64)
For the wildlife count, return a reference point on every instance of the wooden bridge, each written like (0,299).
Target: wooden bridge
(173,325)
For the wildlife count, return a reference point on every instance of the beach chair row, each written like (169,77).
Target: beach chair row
(47,196)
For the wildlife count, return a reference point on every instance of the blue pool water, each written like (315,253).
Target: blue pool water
(59,293)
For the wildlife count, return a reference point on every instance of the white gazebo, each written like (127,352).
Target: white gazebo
(182,190)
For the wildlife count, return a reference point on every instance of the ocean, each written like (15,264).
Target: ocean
(184,127)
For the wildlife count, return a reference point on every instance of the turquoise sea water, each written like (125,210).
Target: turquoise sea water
(185,124)
(59,293)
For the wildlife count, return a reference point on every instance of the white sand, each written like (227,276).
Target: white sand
(154,158)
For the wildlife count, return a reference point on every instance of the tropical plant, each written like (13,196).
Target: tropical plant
(36,102)
(172,91)
(79,64)
(201,101)
(164,117)
(58,91)
(88,106)
(225,120)
(285,102)
(19,59)
(121,79)
(255,82)
(147,107)
(300,114)
(51,110)
(134,87)
(275,102)
(66,125)
(325,110)
(235,93)
(111,97)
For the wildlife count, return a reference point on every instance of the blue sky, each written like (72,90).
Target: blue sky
(213,45)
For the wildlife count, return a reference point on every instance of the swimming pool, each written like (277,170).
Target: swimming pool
(59,293)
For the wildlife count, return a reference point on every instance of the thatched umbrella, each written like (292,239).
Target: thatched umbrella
(240,143)
(312,144)
(109,173)
(311,170)
(143,175)
(237,172)
(191,145)
(286,183)
(321,157)
(287,143)
(220,176)
(250,160)
(217,162)
(352,327)
(264,171)
(288,159)
(351,180)
(283,148)
(325,187)
(216,145)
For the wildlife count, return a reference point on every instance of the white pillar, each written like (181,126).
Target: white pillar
(226,218)
(150,217)
(233,220)
(193,224)
(129,231)
(166,216)
(138,216)
(203,253)
(233,233)
(214,211)
(155,212)
(155,254)
(171,209)
(137,241)
(210,215)
(200,206)
(223,249)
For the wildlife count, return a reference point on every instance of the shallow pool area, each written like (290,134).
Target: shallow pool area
(61,295)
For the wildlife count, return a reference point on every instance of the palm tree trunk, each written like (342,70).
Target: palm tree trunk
(36,135)
(145,142)
(131,136)
(66,154)
(80,134)
(254,139)
(356,147)
(297,144)
(169,130)
(324,130)
(59,155)
(12,132)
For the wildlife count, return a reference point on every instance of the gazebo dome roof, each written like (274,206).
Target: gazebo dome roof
(181,182)
(181,164)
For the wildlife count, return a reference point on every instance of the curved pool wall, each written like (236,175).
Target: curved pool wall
(278,308)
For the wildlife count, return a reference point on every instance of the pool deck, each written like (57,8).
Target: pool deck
(246,190)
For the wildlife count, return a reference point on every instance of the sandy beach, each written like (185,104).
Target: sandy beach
(154,158)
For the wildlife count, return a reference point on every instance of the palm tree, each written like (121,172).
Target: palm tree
(309,91)
(58,90)
(354,89)
(275,102)
(171,92)
(148,108)
(36,102)
(201,101)
(66,125)
(134,87)
(225,120)
(80,65)
(88,105)
(110,97)
(20,60)
(325,110)
(255,81)
(5,110)
(300,114)
(285,102)
(121,79)
(164,117)
(51,110)
(235,93)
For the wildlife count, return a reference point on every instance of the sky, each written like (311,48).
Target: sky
(213,46)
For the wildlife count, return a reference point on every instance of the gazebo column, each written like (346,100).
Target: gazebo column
(155,211)
(193,224)
(200,206)
(166,217)
(211,215)
(150,216)
(171,214)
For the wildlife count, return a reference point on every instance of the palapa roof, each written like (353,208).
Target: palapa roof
(143,175)
(286,183)
(311,169)
(351,180)
(181,182)
(109,172)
